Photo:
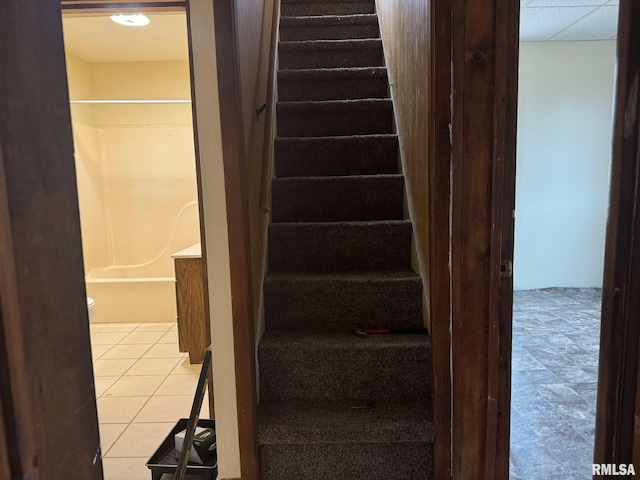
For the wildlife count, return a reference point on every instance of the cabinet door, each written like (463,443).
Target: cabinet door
(190,302)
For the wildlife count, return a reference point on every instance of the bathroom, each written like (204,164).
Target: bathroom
(129,87)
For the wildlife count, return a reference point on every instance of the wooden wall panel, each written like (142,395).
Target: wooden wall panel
(417,38)
(254,39)
(404,25)
(46,379)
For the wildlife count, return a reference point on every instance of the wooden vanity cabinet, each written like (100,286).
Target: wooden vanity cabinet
(190,306)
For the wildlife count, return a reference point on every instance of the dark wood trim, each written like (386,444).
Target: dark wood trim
(236,183)
(483,164)
(46,377)
(505,141)
(270,114)
(439,228)
(618,373)
(5,466)
(114,6)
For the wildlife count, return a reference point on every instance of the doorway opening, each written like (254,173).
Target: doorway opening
(130,93)
(566,85)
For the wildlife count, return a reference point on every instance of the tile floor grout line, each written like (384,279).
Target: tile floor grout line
(172,372)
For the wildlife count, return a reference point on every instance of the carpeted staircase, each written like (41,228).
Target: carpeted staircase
(334,405)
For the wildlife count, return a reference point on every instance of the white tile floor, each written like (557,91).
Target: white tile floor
(143,386)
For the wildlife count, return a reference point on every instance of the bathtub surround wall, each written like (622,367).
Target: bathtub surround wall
(136,184)
(89,168)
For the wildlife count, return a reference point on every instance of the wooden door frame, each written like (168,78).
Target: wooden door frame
(439,228)
(70,7)
(234,159)
(473,165)
(46,377)
(237,203)
(115,6)
(618,404)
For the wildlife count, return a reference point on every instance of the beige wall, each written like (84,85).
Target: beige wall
(142,81)
(89,168)
(135,163)
(80,87)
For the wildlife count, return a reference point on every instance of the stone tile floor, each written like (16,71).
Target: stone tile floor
(556,335)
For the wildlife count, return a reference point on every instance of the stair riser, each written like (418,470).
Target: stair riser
(337,200)
(350,120)
(337,248)
(347,461)
(367,157)
(299,9)
(368,375)
(331,58)
(337,307)
(329,32)
(339,89)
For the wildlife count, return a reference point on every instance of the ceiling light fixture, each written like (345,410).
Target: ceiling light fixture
(137,20)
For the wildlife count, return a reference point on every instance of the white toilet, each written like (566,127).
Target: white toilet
(91,305)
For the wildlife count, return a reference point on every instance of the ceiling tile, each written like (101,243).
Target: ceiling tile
(613,2)
(566,3)
(601,24)
(539,24)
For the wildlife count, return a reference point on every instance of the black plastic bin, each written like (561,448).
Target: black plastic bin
(165,460)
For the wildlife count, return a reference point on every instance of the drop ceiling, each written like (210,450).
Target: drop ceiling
(97,39)
(568,20)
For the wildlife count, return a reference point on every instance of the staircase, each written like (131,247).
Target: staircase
(334,405)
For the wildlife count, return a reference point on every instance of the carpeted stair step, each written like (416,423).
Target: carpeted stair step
(330,156)
(337,199)
(335,117)
(337,302)
(339,247)
(326,7)
(329,27)
(333,366)
(330,54)
(332,84)
(344,441)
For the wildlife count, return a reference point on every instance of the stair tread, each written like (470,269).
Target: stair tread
(300,343)
(346,277)
(378,137)
(322,20)
(340,178)
(349,44)
(331,73)
(336,155)
(331,105)
(347,224)
(347,422)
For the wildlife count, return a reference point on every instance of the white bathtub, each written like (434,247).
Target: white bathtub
(132,294)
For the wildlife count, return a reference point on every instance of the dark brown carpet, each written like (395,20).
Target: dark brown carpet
(334,405)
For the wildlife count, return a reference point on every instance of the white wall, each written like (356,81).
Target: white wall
(563,159)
